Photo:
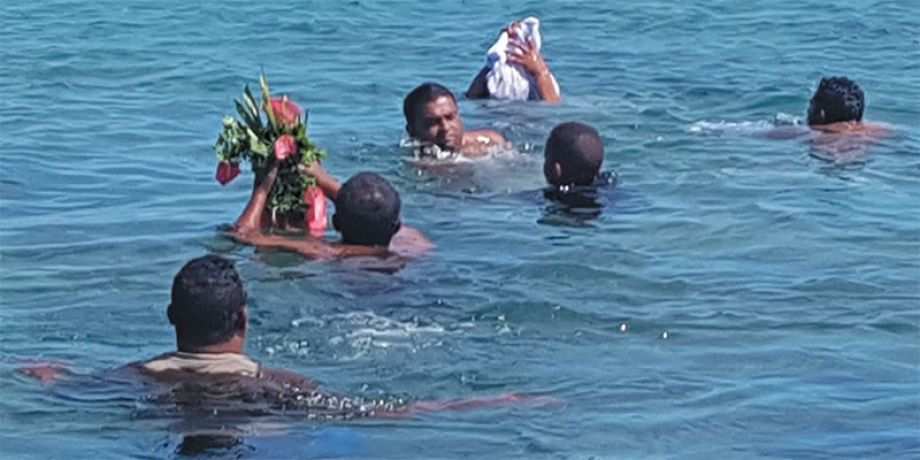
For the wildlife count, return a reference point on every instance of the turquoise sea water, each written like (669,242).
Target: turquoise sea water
(736,298)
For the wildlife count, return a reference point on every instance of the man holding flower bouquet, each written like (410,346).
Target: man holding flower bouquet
(367,214)
(291,187)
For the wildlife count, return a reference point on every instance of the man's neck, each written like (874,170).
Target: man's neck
(234,345)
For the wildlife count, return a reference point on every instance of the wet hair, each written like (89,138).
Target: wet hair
(421,95)
(837,99)
(207,303)
(579,151)
(367,210)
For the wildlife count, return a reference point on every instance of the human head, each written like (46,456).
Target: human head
(573,155)
(208,305)
(837,99)
(367,210)
(432,116)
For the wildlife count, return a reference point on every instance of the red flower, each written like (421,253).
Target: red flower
(285,146)
(316,219)
(226,172)
(287,113)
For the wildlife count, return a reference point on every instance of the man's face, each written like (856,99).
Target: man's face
(439,123)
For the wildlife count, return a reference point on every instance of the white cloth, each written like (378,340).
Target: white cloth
(511,81)
(203,363)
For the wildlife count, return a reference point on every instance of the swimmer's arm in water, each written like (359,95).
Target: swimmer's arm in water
(785,132)
(326,183)
(250,221)
(529,57)
(45,372)
(290,378)
(457,405)
(478,88)
(308,247)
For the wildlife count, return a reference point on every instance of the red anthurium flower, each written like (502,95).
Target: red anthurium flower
(226,172)
(287,113)
(285,146)
(316,215)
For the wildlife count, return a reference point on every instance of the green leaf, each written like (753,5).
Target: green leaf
(248,118)
(251,104)
(266,102)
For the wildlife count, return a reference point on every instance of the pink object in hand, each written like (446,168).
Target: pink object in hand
(316,214)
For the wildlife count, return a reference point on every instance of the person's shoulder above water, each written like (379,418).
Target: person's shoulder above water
(433,118)
(482,142)
(208,309)
(835,120)
(835,115)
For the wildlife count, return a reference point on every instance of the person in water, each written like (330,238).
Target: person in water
(525,54)
(367,214)
(433,118)
(573,157)
(835,119)
(208,310)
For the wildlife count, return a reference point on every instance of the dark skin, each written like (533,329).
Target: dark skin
(835,140)
(406,244)
(438,122)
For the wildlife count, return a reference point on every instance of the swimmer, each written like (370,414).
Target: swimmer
(573,157)
(835,119)
(433,118)
(367,214)
(525,54)
(208,309)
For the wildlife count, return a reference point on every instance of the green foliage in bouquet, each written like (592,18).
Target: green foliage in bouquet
(281,136)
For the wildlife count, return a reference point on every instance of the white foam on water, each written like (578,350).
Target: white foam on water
(722,127)
(743,127)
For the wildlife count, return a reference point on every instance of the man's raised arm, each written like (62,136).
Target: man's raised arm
(250,221)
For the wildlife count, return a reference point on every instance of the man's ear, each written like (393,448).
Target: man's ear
(409,130)
(397,226)
(552,170)
(242,320)
(169,314)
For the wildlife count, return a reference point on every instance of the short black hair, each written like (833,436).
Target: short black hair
(421,95)
(208,299)
(367,210)
(837,99)
(579,151)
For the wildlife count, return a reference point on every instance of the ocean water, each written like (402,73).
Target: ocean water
(737,297)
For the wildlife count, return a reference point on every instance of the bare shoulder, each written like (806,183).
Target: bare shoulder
(484,136)
(482,142)
(875,131)
(410,242)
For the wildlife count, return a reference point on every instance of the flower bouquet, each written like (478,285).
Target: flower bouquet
(282,135)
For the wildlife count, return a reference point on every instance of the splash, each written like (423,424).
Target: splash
(723,127)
